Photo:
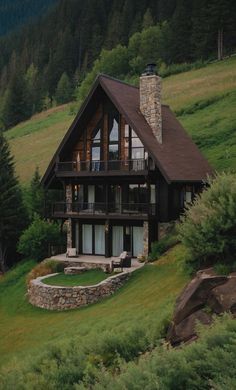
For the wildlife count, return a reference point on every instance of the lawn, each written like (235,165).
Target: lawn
(87,278)
(145,300)
(34,142)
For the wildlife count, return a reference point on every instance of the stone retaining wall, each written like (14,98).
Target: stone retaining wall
(70,263)
(63,298)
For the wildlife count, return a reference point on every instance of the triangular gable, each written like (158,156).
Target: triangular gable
(178,158)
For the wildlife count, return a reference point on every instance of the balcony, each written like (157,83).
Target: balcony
(112,167)
(111,210)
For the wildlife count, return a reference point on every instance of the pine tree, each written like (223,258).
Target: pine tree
(35,198)
(64,91)
(12,213)
(15,107)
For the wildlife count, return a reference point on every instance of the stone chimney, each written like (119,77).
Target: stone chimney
(150,100)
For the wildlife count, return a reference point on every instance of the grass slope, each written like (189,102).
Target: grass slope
(204,100)
(147,299)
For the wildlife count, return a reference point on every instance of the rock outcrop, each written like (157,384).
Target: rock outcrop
(205,295)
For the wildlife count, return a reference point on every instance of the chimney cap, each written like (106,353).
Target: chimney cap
(150,69)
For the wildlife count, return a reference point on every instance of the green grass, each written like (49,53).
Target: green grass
(204,100)
(88,278)
(146,299)
(213,128)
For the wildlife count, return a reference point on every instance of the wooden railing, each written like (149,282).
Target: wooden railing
(65,208)
(100,166)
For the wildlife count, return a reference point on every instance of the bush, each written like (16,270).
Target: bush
(45,268)
(208,228)
(160,247)
(222,269)
(36,240)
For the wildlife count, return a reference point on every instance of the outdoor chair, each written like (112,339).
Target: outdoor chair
(71,252)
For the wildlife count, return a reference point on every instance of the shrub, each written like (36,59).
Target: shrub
(208,228)
(161,246)
(222,269)
(36,240)
(45,268)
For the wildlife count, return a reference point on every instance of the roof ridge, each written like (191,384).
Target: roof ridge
(116,80)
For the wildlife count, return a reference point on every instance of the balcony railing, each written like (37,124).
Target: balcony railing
(102,166)
(131,209)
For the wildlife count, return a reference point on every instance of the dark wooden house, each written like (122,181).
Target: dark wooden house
(127,168)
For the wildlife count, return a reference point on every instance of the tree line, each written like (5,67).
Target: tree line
(47,61)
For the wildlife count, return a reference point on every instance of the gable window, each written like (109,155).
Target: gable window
(134,149)
(113,142)
(137,148)
(96,149)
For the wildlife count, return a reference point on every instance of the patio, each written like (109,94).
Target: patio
(93,261)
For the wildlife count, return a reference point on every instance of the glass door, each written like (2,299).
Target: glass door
(99,240)
(137,238)
(87,241)
(117,240)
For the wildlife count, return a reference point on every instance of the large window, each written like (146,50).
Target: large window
(134,149)
(96,149)
(137,148)
(113,142)
(138,193)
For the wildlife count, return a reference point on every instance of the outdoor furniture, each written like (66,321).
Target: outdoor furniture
(123,261)
(71,252)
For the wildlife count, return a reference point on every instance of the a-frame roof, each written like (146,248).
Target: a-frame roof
(178,158)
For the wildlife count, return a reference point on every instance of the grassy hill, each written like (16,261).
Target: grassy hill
(117,343)
(145,303)
(203,99)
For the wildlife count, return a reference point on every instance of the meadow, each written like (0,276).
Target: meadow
(203,99)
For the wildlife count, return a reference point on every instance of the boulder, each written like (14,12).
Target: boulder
(186,330)
(223,298)
(195,295)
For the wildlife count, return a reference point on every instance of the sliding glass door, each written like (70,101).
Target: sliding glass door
(93,239)
(117,240)
(99,240)
(87,233)
(137,238)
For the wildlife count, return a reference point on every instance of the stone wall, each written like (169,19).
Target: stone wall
(150,103)
(64,298)
(69,263)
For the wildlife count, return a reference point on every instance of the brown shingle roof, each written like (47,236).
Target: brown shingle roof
(178,158)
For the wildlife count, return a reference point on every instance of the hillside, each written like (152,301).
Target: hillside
(204,100)
(14,13)
(26,330)
(117,343)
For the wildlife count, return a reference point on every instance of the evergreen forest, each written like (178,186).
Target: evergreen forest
(14,13)
(45,62)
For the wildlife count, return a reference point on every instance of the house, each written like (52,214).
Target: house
(127,168)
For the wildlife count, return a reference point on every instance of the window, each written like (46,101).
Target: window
(96,149)
(78,193)
(113,143)
(137,149)
(134,149)
(138,193)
